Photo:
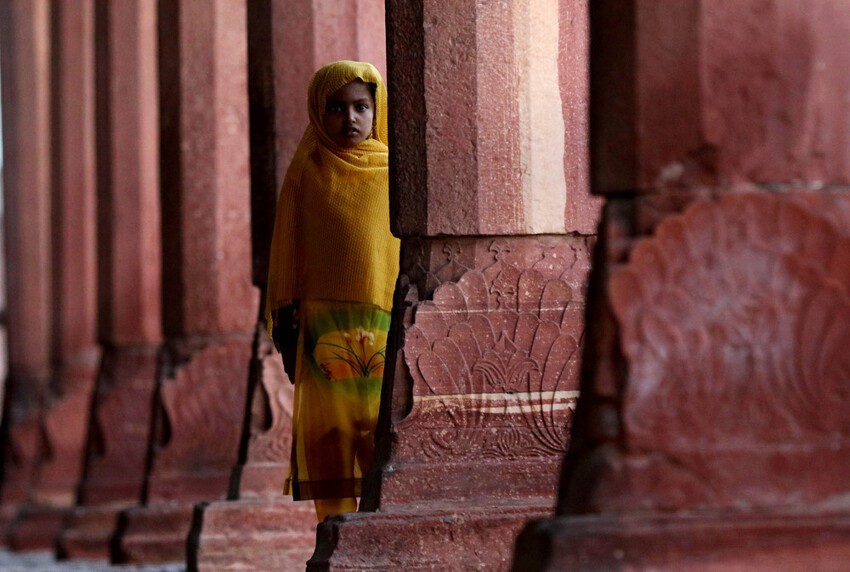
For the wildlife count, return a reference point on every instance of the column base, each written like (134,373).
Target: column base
(36,528)
(88,532)
(7,518)
(716,540)
(153,534)
(256,534)
(425,537)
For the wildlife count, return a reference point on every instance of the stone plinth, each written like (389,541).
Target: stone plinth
(197,431)
(438,536)
(271,531)
(118,444)
(253,534)
(154,533)
(35,527)
(706,542)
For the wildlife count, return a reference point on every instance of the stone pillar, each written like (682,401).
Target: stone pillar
(712,431)
(259,527)
(488,129)
(130,276)
(210,305)
(76,353)
(25,65)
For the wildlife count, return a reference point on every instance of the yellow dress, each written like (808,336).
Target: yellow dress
(341,351)
(333,252)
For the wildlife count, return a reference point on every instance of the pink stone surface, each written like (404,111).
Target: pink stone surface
(35,528)
(87,531)
(443,538)
(582,210)
(129,174)
(153,534)
(266,464)
(76,352)
(25,65)
(254,535)
(120,427)
(214,275)
(470,101)
(492,354)
(199,419)
(131,309)
(712,542)
(723,93)
(758,321)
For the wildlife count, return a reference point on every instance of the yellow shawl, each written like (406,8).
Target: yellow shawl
(332,237)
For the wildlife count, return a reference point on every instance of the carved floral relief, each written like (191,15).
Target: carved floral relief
(745,301)
(494,353)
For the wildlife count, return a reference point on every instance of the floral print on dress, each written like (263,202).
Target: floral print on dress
(356,352)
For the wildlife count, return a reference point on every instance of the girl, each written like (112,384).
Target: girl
(331,276)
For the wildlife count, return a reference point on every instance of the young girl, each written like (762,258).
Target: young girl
(331,276)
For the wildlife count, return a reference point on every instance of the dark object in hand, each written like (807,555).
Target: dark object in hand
(285,334)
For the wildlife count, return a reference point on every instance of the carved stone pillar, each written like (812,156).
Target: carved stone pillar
(259,527)
(488,104)
(25,65)
(76,353)
(130,304)
(712,431)
(210,305)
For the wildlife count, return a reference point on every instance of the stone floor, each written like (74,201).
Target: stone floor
(46,562)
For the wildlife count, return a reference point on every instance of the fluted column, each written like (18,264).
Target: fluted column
(75,351)
(712,431)
(26,81)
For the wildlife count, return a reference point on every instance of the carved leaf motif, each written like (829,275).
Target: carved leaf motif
(741,301)
(493,365)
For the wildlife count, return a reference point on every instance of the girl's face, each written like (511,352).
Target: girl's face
(349,114)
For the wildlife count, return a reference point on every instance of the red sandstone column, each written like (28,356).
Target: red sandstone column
(130,307)
(25,65)
(259,527)
(488,121)
(210,305)
(76,353)
(713,433)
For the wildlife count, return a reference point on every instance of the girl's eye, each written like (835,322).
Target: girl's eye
(334,107)
(362,107)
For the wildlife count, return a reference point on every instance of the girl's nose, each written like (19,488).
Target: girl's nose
(352,114)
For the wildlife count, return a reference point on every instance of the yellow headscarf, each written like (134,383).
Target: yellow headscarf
(332,237)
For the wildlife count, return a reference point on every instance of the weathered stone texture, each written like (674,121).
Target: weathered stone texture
(721,93)
(491,332)
(711,432)
(489,99)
